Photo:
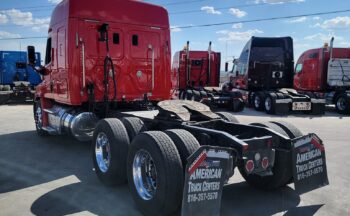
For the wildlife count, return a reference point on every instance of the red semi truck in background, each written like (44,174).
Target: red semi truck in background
(104,55)
(264,73)
(325,73)
(196,76)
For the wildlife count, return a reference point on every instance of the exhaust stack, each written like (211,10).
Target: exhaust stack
(331,48)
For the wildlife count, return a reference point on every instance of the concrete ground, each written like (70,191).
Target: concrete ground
(54,175)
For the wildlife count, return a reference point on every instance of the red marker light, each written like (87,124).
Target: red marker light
(265,162)
(249,166)
(269,142)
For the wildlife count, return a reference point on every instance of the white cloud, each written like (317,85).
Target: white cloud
(41,28)
(323,37)
(298,20)
(4,34)
(278,1)
(175,29)
(222,32)
(316,18)
(237,25)
(55,1)
(344,43)
(239,36)
(210,10)
(3,19)
(237,12)
(301,45)
(335,23)
(18,17)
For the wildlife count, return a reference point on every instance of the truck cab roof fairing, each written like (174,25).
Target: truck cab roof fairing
(122,11)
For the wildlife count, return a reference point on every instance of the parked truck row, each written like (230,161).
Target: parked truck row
(265,73)
(99,63)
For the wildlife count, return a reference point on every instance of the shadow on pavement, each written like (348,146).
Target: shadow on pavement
(79,197)
(29,160)
(242,199)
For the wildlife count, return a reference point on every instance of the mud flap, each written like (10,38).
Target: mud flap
(309,163)
(205,174)
(282,106)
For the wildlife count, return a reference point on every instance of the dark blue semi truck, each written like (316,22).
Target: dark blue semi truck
(17,79)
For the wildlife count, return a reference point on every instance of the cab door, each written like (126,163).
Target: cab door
(144,50)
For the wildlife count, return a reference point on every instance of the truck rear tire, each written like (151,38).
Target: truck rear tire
(185,143)
(227,117)
(155,174)
(110,145)
(133,126)
(258,101)
(38,113)
(270,104)
(272,126)
(290,129)
(196,95)
(203,94)
(342,104)
(189,95)
(282,169)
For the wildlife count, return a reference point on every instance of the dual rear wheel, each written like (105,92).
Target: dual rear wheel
(152,162)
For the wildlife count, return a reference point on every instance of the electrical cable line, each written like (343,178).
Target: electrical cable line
(263,19)
(24,38)
(220,8)
(224,23)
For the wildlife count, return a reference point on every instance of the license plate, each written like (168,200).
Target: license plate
(301,106)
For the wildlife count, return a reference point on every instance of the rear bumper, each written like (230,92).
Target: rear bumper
(284,106)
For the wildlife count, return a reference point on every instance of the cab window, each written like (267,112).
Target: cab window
(299,68)
(48,56)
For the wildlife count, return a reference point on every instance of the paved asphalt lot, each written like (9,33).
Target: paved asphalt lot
(54,176)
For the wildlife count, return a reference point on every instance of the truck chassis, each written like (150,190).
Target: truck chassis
(284,101)
(152,154)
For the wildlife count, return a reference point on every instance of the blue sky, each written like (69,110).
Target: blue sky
(20,18)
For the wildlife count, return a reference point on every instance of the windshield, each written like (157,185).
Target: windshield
(267,54)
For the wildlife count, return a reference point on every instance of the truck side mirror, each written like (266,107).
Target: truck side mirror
(226,66)
(31,55)
(236,73)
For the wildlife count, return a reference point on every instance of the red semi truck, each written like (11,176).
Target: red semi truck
(325,73)
(264,73)
(104,55)
(196,76)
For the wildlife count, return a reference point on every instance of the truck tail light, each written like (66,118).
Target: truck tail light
(265,163)
(249,166)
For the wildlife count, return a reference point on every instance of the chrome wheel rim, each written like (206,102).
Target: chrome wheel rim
(102,152)
(144,175)
(257,101)
(341,103)
(268,103)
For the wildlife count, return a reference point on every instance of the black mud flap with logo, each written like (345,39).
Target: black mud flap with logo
(309,163)
(205,175)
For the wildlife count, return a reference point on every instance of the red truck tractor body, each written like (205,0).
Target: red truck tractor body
(196,76)
(198,64)
(139,46)
(104,54)
(325,73)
